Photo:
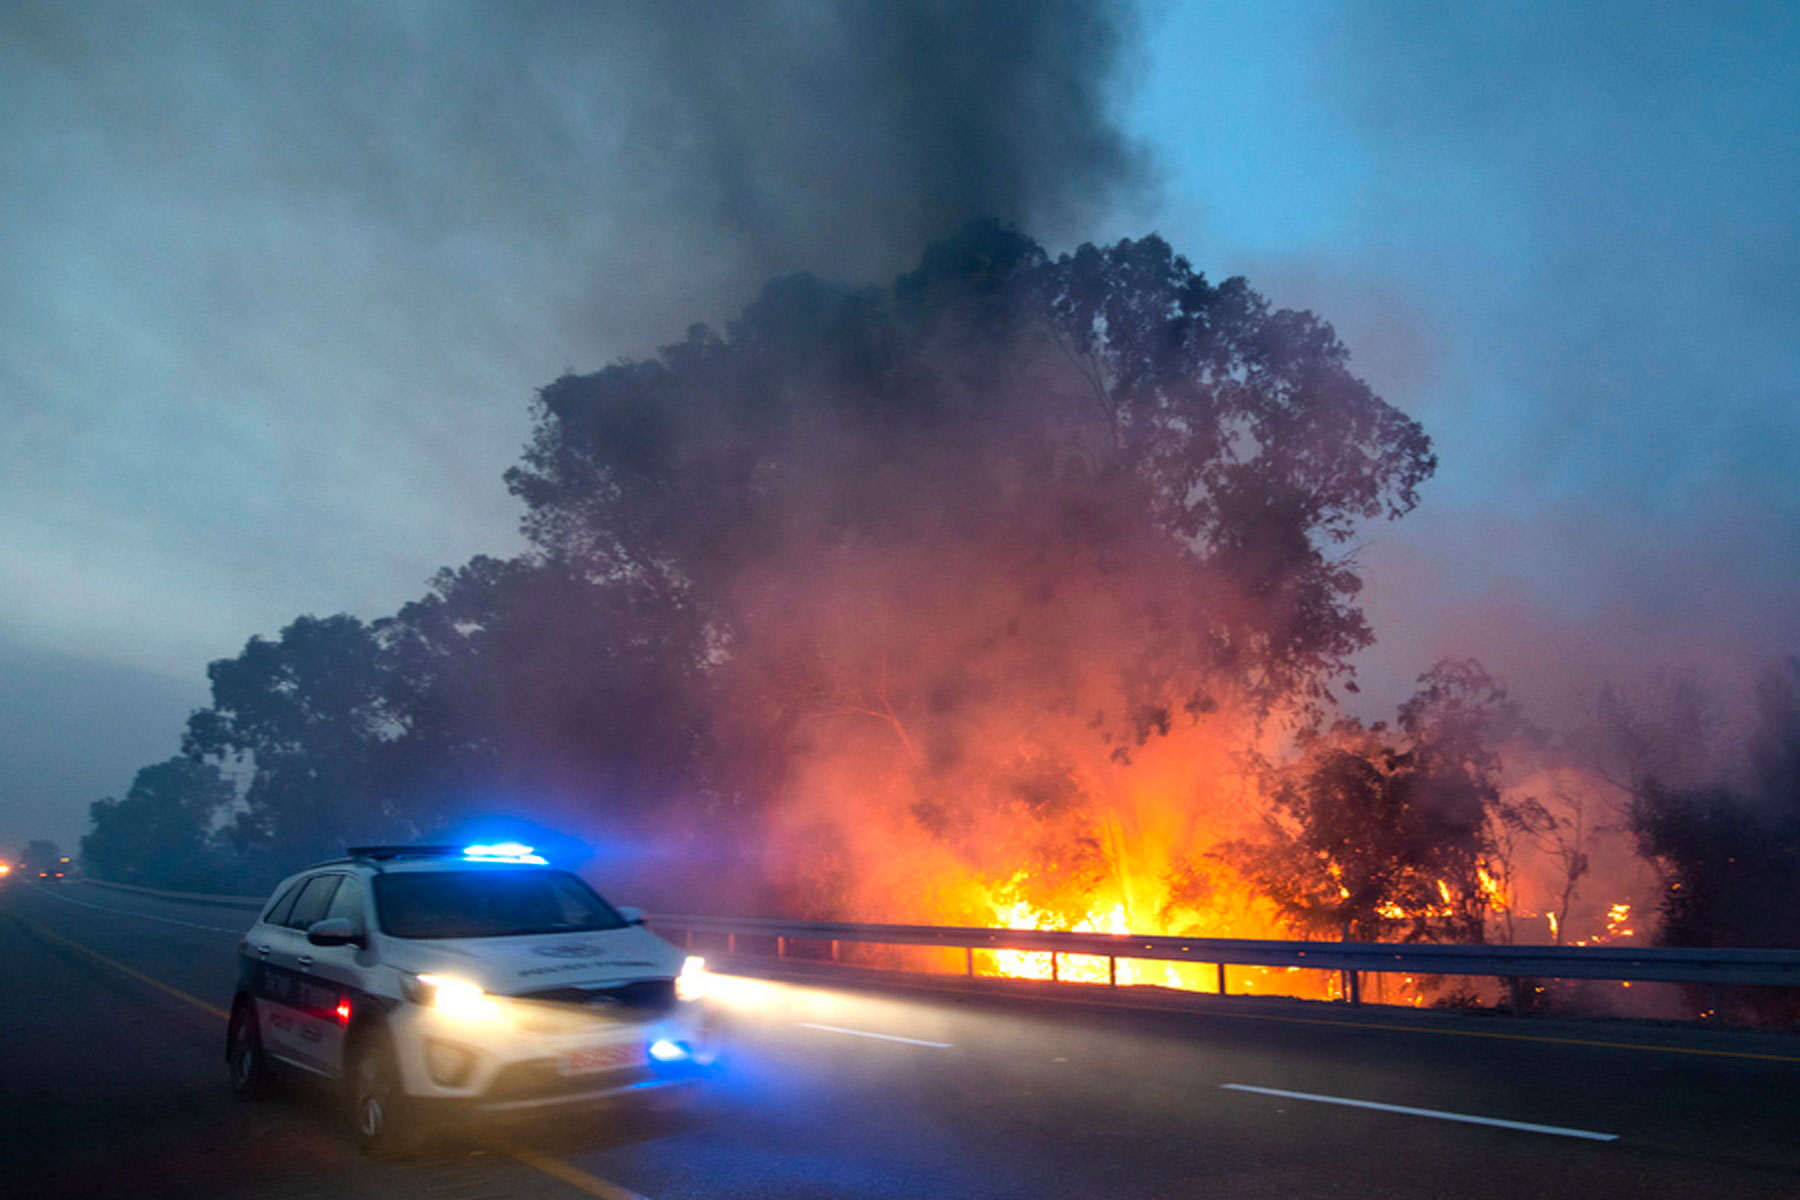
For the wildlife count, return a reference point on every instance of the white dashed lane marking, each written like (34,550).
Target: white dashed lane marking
(883,1037)
(1435,1114)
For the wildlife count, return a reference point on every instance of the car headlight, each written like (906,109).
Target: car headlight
(668,1050)
(694,982)
(451,996)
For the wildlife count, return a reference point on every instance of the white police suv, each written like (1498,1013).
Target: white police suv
(420,977)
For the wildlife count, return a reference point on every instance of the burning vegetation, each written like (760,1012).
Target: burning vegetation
(1019,594)
(1012,581)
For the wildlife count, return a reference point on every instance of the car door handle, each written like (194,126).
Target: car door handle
(305,960)
(263,950)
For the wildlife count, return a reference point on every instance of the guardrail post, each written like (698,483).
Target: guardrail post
(969,961)
(1221,969)
(834,943)
(1112,970)
(1353,987)
(780,947)
(1054,977)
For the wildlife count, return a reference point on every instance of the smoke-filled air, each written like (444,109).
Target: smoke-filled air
(1003,577)
(984,569)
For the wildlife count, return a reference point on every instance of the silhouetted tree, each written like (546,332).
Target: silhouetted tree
(529,678)
(1374,836)
(1084,413)
(159,835)
(308,718)
(1665,730)
(1730,853)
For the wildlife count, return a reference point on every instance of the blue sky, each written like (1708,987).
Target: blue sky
(1563,237)
(261,357)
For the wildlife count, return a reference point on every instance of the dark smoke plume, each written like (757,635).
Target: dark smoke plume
(841,138)
(552,177)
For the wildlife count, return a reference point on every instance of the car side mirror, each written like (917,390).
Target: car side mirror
(633,916)
(333,931)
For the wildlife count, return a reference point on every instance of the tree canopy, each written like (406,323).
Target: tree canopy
(1061,416)
(161,833)
(307,718)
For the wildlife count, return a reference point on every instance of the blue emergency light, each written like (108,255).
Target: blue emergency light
(517,852)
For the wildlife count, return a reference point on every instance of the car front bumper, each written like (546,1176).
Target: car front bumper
(535,1057)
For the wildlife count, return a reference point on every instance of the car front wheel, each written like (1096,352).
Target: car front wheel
(250,1078)
(382,1122)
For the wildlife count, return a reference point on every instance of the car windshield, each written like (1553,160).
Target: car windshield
(488,903)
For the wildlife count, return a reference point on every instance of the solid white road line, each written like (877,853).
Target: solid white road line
(122,912)
(1527,1127)
(885,1037)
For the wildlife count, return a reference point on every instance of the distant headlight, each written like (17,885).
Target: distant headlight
(453,997)
(693,983)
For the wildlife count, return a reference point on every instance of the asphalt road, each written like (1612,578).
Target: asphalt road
(112,1083)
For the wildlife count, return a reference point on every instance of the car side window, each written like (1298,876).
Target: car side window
(312,902)
(277,912)
(348,904)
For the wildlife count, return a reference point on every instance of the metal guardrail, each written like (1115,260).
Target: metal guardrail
(1626,964)
(1649,964)
(183,897)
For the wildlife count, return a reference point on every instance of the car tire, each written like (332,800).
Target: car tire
(383,1123)
(250,1076)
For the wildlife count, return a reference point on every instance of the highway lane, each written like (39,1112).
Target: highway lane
(112,1087)
(109,1078)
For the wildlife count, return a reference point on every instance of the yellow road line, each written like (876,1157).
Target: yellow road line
(556,1168)
(571,1174)
(1100,1002)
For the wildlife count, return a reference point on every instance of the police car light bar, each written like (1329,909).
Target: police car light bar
(505,852)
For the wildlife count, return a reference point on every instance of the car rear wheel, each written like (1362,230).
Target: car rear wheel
(250,1078)
(382,1121)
